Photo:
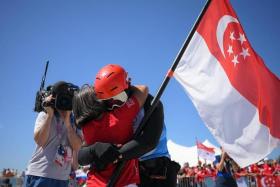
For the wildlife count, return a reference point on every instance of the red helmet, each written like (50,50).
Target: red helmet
(110,81)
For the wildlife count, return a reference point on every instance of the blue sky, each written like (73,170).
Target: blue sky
(79,37)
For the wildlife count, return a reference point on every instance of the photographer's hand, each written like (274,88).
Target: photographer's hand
(49,109)
(74,139)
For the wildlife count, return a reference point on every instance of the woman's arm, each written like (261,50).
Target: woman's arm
(74,139)
(43,124)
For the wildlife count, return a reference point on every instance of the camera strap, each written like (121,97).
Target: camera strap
(59,128)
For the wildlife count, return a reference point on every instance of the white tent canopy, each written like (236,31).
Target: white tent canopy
(182,154)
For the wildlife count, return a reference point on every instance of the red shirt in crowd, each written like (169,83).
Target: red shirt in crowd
(210,172)
(254,169)
(200,174)
(267,169)
(241,173)
(277,168)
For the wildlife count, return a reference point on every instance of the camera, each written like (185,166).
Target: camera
(40,99)
(62,93)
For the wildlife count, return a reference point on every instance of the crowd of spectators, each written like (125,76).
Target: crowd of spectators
(253,173)
(195,175)
(11,178)
(9,172)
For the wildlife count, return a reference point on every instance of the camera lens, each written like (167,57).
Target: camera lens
(64,102)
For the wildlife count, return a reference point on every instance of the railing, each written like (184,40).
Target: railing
(249,181)
(11,181)
(192,182)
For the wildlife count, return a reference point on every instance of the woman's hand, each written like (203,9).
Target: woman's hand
(49,109)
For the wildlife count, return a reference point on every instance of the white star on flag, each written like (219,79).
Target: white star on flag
(242,38)
(245,52)
(230,51)
(235,61)
(232,36)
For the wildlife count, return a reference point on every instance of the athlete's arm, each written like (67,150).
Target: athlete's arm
(135,148)
(141,93)
(150,135)
(99,155)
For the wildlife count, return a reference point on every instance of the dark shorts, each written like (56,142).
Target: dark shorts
(158,172)
(225,182)
(35,181)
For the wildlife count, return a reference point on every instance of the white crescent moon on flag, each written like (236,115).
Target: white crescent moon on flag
(222,25)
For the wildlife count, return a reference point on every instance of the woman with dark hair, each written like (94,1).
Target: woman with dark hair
(86,106)
(112,128)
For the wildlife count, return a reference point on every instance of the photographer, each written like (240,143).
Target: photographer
(56,139)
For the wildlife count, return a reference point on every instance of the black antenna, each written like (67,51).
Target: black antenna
(44,76)
(39,95)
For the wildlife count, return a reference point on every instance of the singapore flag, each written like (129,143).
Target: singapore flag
(205,152)
(235,94)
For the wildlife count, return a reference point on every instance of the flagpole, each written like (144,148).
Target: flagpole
(155,100)
(197,149)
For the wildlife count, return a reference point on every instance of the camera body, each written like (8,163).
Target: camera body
(40,99)
(62,94)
